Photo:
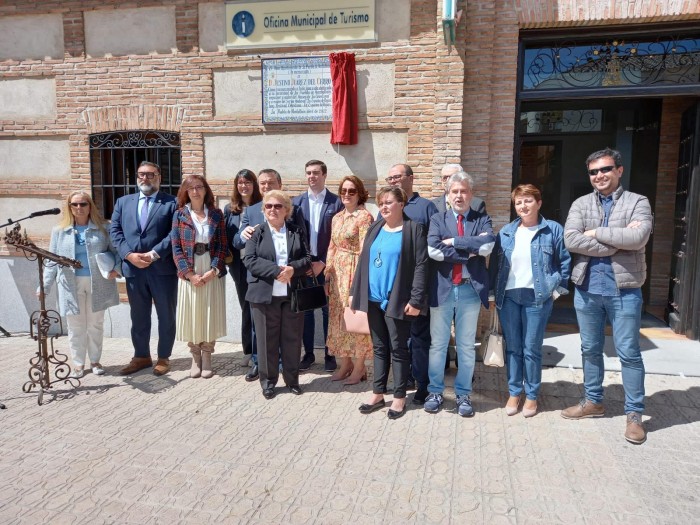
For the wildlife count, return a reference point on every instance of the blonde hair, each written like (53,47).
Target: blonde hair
(280,196)
(95,215)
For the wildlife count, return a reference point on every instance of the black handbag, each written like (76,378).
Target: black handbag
(308,297)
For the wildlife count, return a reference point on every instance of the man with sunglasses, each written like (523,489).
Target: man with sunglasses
(317,206)
(140,231)
(606,232)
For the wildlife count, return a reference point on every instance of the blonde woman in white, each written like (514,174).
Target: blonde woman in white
(83,293)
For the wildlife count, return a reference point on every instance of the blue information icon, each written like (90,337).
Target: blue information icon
(243,24)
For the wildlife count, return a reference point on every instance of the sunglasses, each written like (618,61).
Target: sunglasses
(348,191)
(275,206)
(604,169)
(146,174)
(79,204)
(196,188)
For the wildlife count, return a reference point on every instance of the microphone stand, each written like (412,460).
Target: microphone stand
(42,320)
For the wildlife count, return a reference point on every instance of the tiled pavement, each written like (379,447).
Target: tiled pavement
(174,450)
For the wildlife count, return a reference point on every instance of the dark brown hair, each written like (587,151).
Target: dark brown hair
(237,204)
(183,197)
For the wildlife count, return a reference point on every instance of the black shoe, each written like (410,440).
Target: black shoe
(253,374)
(420,396)
(306,362)
(330,364)
(269,393)
(393,414)
(295,389)
(368,409)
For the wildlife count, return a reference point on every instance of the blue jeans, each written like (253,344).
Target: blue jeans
(463,304)
(523,324)
(625,314)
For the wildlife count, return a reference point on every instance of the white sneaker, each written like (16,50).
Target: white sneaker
(77,373)
(98,370)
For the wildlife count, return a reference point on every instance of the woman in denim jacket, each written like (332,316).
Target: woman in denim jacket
(529,268)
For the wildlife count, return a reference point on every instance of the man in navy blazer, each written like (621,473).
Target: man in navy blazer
(140,231)
(317,206)
(459,239)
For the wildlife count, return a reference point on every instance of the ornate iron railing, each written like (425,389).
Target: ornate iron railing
(612,63)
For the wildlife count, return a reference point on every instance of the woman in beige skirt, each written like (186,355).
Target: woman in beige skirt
(199,250)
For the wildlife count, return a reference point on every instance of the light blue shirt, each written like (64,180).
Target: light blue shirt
(142,199)
(81,253)
(387,249)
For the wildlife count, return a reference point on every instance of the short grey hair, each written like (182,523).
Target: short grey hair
(452,167)
(460,178)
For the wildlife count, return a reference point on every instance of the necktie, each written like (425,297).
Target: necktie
(457,268)
(144,213)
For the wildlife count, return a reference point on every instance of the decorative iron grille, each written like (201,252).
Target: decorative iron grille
(613,63)
(115,157)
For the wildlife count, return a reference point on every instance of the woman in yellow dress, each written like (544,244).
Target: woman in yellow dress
(348,231)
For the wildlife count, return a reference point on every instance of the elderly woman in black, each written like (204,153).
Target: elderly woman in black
(276,256)
(246,192)
(390,285)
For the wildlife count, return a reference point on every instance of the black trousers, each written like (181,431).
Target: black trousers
(247,330)
(278,332)
(390,342)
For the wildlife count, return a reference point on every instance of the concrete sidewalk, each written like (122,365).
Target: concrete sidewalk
(173,450)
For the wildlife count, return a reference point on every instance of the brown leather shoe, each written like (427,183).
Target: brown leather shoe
(584,409)
(162,367)
(136,364)
(635,433)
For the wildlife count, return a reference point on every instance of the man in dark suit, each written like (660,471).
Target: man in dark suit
(317,207)
(140,231)
(442,202)
(459,239)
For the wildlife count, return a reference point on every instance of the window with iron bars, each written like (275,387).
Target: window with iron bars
(115,157)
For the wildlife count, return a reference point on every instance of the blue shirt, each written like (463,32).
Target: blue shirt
(600,277)
(81,253)
(420,210)
(384,255)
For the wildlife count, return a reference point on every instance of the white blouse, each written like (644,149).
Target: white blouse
(279,240)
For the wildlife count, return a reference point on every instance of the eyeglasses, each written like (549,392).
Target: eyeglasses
(394,178)
(604,169)
(269,206)
(244,182)
(146,174)
(79,204)
(196,188)
(348,191)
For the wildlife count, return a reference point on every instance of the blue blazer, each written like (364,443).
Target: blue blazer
(252,216)
(478,241)
(331,206)
(125,232)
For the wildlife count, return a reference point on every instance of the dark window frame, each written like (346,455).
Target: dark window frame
(115,156)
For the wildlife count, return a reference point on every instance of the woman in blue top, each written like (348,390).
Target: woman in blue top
(529,268)
(83,293)
(390,285)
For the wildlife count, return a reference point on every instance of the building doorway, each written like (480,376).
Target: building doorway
(556,137)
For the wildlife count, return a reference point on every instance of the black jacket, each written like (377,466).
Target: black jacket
(261,261)
(411,277)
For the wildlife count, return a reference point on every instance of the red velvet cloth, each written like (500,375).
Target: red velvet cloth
(344,77)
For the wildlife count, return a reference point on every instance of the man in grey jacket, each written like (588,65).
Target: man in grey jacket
(606,232)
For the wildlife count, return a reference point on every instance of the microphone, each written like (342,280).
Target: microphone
(53,211)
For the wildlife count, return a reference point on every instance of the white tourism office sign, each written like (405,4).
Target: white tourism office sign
(282,23)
